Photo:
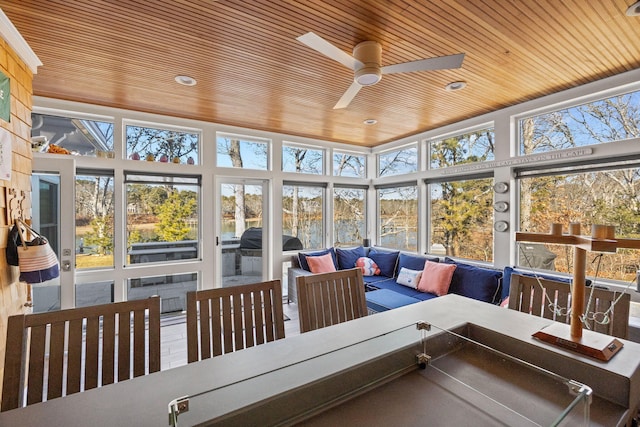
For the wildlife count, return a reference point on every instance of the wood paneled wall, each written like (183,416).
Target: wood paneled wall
(13,294)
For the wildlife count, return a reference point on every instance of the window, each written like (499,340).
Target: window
(462,218)
(584,194)
(606,120)
(348,216)
(477,146)
(79,136)
(349,164)
(94,219)
(398,217)
(302,215)
(302,160)
(239,152)
(398,162)
(163,145)
(162,217)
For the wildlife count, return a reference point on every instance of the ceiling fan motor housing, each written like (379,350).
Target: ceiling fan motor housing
(369,53)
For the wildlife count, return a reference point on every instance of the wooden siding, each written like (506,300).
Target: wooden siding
(13,294)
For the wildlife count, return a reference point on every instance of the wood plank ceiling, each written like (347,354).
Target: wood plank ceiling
(252,72)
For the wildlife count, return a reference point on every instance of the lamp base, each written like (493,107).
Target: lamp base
(591,344)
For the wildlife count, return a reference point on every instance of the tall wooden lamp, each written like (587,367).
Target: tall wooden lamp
(602,239)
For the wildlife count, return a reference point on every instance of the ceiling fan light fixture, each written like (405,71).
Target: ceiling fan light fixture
(185,80)
(367,76)
(634,9)
(369,55)
(454,86)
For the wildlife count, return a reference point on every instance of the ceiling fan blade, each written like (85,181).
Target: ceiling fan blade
(439,63)
(348,96)
(319,44)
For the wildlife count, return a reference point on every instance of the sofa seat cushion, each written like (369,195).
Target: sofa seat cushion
(385,299)
(474,282)
(374,280)
(391,285)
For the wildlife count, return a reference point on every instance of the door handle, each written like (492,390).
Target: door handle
(217,241)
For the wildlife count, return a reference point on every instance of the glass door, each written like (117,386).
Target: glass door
(242,232)
(52,200)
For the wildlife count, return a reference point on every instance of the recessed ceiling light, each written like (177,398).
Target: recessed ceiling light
(453,86)
(186,80)
(634,9)
(370,122)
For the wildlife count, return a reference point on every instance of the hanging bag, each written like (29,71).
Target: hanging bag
(36,259)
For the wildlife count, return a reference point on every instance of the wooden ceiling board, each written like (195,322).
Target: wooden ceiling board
(252,72)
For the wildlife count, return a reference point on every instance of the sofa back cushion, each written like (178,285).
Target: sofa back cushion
(479,283)
(302,257)
(347,257)
(414,261)
(386,261)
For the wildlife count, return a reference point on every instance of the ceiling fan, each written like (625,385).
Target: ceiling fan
(366,63)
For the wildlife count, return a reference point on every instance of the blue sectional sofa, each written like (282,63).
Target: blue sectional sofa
(383,290)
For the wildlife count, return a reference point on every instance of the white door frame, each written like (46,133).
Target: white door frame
(65,167)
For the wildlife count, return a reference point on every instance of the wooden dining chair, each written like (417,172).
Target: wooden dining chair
(228,319)
(62,352)
(327,299)
(551,299)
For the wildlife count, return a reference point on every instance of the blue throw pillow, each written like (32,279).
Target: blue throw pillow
(347,257)
(475,282)
(302,257)
(414,261)
(386,261)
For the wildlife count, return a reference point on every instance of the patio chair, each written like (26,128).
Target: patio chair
(99,345)
(327,299)
(228,319)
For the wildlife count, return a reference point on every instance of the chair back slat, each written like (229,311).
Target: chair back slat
(56,360)
(92,356)
(82,339)
(109,346)
(36,364)
(74,356)
(228,319)
(330,298)
(526,295)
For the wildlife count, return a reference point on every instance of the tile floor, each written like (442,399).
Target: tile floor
(173,336)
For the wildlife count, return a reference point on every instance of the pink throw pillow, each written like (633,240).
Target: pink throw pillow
(368,266)
(321,264)
(436,278)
